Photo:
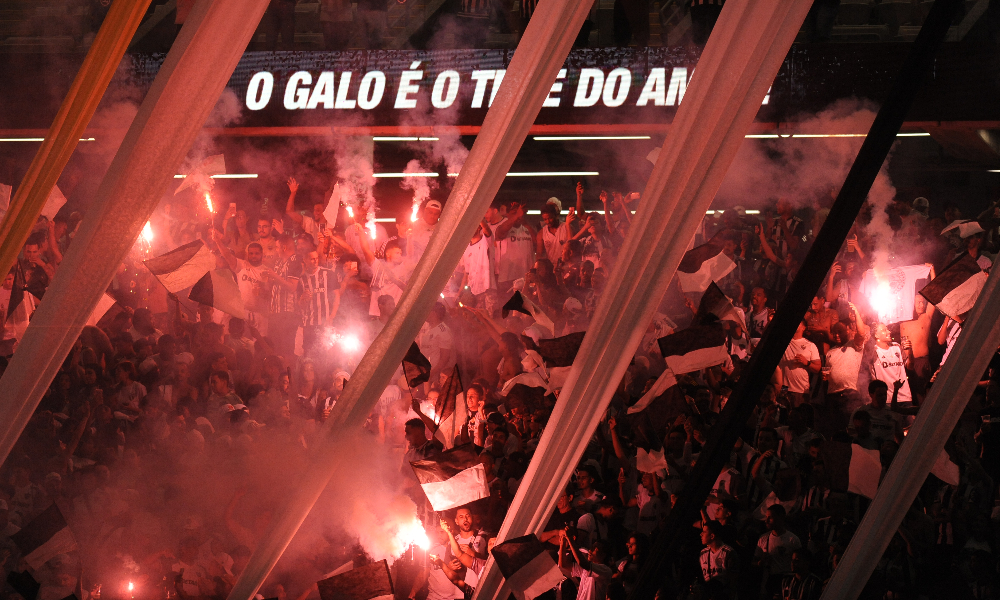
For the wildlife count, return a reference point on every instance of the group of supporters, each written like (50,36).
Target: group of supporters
(173,431)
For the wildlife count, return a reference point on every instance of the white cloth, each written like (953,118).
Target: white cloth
(792,375)
(477,263)
(902,289)
(593,582)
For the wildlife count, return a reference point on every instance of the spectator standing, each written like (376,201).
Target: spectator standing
(801,359)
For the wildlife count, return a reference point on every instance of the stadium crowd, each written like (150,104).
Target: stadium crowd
(155,436)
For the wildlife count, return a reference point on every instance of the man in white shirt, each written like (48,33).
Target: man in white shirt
(389,275)
(800,360)
(774,548)
(515,243)
(477,263)
(889,365)
(423,228)
(717,560)
(436,342)
(439,586)
(468,539)
(255,287)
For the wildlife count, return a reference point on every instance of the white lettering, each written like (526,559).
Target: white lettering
(445,89)
(406,87)
(655,88)
(589,88)
(259,90)
(678,85)
(550,101)
(345,84)
(366,101)
(496,84)
(481,78)
(295,97)
(620,78)
(323,92)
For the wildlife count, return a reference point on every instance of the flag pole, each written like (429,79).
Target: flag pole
(824,250)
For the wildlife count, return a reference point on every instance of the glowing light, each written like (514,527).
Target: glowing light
(574,138)
(147,234)
(544,174)
(131,586)
(208,201)
(350,211)
(226,176)
(413,533)
(34,139)
(413,214)
(350,343)
(399,175)
(882,300)
(371,226)
(379,138)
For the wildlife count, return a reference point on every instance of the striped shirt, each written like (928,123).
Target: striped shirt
(794,587)
(283,299)
(716,564)
(321,306)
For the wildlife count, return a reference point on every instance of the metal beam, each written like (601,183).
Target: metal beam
(739,63)
(182,96)
(533,69)
(64,134)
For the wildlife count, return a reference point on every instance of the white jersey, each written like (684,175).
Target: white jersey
(477,262)
(515,253)
(254,287)
(553,242)
(888,367)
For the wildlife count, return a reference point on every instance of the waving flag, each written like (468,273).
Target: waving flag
(527,566)
(183,266)
(453,478)
(518,302)
(852,468)
(370,582)
(450,409)
(219,290)
(416,367)
(956,288)
(703,265)
(557,352)
(716,306)
(694,348)
(46,536)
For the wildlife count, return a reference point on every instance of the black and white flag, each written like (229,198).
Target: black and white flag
(453,478)
(527,566)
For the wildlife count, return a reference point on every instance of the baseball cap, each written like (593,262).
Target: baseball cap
(433,204)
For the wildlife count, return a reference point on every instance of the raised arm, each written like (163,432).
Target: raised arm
(224,250)
(293,188)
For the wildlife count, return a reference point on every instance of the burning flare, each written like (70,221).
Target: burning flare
(416,209)
(413,533)
(882,300)
(147,234)
(208,201)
